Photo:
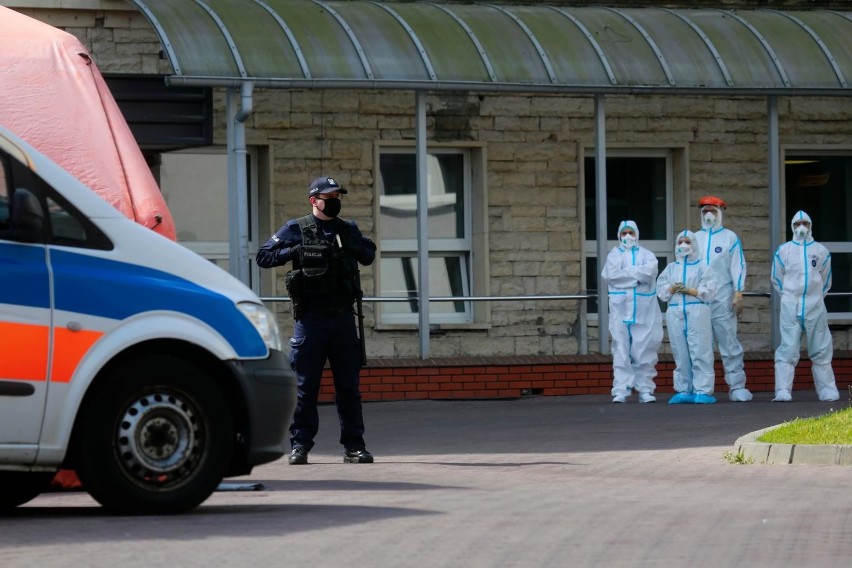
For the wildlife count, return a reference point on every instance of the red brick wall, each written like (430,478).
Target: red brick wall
(483,378)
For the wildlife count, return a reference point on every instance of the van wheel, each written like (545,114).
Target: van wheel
(19,487)
(155,438)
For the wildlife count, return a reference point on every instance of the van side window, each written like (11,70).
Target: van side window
(69,227)
(65,225)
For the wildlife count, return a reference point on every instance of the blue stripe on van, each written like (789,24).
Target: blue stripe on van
(23,280)
(118,290)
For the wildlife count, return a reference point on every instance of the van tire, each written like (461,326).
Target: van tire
(19,487)
(155,437)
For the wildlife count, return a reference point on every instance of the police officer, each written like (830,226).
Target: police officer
(323,286)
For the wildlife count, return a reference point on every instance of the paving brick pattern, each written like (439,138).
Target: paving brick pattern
(530,482)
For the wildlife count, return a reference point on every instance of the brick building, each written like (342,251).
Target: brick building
(513,217)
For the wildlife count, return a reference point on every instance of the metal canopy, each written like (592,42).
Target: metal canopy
(485,47)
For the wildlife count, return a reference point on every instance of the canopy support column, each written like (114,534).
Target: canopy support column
(774,209)
(422,224)
(600,210)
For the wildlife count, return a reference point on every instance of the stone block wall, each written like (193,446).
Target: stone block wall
(534,195)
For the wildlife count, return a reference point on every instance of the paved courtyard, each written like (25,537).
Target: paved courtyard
(539,481)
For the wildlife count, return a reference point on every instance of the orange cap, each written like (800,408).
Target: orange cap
(711,200)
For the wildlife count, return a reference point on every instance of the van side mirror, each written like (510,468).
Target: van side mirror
(26,217)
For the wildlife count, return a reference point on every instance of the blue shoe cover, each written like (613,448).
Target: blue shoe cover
(702,398)
(682,398)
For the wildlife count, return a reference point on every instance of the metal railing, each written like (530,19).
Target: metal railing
(582,320)
(582,328)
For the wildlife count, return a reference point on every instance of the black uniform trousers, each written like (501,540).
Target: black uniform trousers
(321,335)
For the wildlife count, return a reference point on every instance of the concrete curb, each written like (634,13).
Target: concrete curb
(750,449)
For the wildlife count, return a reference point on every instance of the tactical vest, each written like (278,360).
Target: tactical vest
(329,276)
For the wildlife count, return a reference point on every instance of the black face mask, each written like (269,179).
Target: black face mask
(331,207)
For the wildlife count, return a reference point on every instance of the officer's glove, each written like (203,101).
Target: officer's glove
(675,288)
(346,250)
(295,252)
(354,251)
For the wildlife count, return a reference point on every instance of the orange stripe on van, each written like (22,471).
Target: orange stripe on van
(68,349)
(23,351)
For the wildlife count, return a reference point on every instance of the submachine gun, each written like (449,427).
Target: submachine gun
(355,275)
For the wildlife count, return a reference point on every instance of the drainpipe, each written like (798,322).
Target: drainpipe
(238,181)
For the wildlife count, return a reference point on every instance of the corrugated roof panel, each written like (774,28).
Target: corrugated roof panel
(833,29)
(632,58)
(512,54)
(798,54)
(451,50)
(191,38)
(391,50)
(746,58)
(326,44)
(570,51)
(259,39)
(688,53)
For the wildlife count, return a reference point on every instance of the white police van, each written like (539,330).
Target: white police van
(125,357)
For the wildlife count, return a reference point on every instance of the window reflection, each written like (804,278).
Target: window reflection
(398,196)
(821,185)
(400,277)
(637,189)
(448,235)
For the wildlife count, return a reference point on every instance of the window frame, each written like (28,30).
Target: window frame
(834,247)
(471,248)
(675,159)
(218,252)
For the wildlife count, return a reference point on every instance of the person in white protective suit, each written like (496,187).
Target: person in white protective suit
(801,273)
(722,250)
(635,319)
(688,285)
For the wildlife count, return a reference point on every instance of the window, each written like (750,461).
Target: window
(639,187)
(63,224)
(450,242)
(195,186)
(820,183)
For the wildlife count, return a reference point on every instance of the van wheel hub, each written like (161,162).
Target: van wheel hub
(158,439)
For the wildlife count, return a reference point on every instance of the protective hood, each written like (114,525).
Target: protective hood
(801,216)
(695,254)
(621,226)
(717,211)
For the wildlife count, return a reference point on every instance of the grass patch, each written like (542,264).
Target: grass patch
(832,428)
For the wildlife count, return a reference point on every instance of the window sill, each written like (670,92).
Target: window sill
(436,329)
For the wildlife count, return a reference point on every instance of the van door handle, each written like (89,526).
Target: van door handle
(74,326)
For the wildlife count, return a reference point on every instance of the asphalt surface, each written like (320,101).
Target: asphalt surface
(539,481)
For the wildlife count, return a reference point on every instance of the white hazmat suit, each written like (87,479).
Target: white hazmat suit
(801,273)
(722,250)
(635,320)
(688,286)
